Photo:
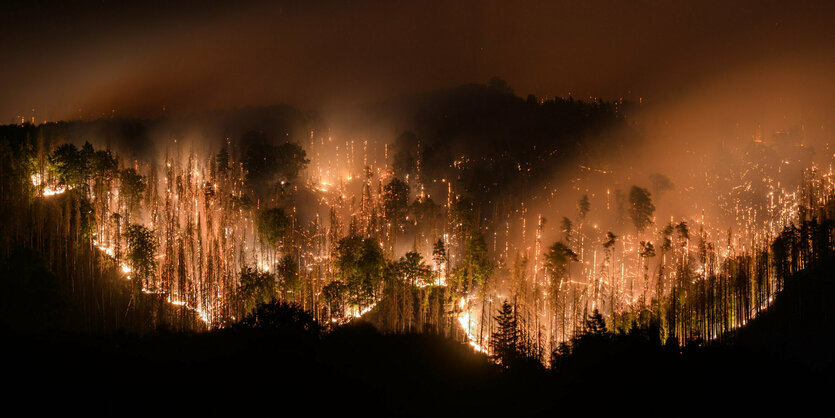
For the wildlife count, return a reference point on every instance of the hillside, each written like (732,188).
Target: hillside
(782,356)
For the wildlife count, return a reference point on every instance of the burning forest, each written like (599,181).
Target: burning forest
(348,228)
(473,240)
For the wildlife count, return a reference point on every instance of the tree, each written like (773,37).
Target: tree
(558,262)
(288,277)
(560,355)
(413,270)
(362,267)
(683,233)
(256,287)
(646,251)
(439,256)
(140,253)
(583,207)
(558,259)
(567,229)
(504,342)
(268,165)
(592,344)
(335,294)
(281,316)
(372,267)
(465,211)
(396,205)
(609,254)
(405,159)
(595,325)
(273,226)
(611,239)
(132,186)
(475,267)
(641,208)
(69,165)
(222,160)
(103,167)
(499,85)
(426,213)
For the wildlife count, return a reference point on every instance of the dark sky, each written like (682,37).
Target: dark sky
(87,58)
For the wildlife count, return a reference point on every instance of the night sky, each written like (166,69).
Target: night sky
(97,58)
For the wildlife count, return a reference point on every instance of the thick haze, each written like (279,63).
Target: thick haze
(92,58)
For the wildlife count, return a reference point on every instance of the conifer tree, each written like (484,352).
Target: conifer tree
(504,343)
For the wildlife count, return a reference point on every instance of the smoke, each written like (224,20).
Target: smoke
(90,60)
(698,98)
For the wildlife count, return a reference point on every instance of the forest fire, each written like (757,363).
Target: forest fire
(469,208)
(204,231)
(47,190)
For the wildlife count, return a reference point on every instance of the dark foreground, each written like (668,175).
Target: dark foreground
(783,358)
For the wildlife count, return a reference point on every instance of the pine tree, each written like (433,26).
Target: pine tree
(640,208)
(595,324)
(504,342)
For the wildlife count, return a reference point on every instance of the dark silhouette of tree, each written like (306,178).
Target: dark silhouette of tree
(499,85)
(335,294)
(611,239)
(583,207)
(281,316)
(267,165)
(439,256)
(427,215)
(396,206)
(560,355)
(646,251)
(104,166)
(222,160)
(132,186)
(465,211)
(531,100)
(405,159)
(567,229)
(595,325)
(683,233)
(609,257)
(641,208)
(558,259)
(288,277)
(504,342)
